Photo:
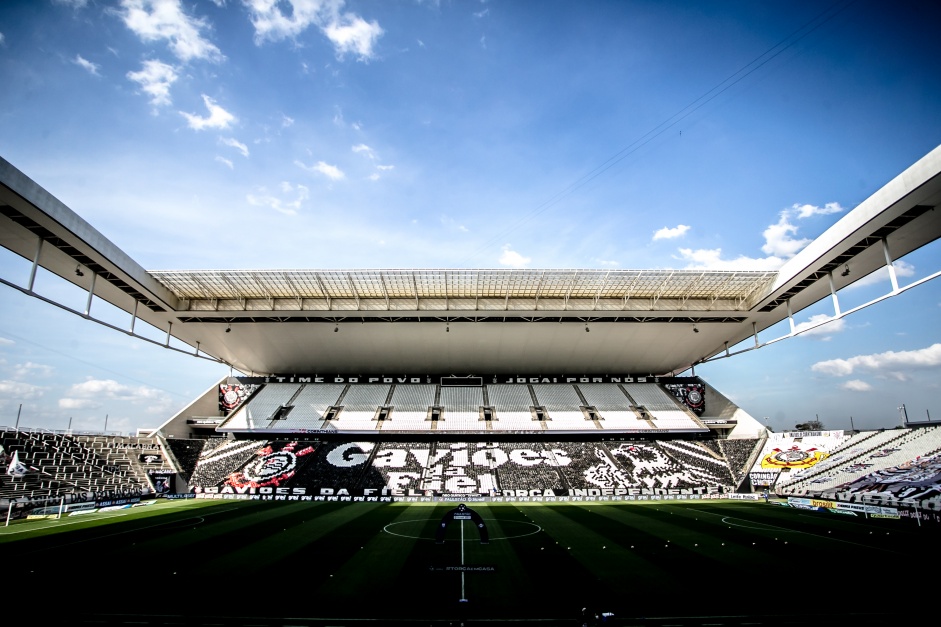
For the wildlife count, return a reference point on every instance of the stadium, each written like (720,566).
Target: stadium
(370,414)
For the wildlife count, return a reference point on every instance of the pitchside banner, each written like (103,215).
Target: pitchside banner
(163,481)
(875,511)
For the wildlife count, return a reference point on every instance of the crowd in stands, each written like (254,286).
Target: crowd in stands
(738,453)
(220,458)
(482,467)
(874,466)
(889,466)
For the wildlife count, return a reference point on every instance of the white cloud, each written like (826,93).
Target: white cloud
(824,329)
(903,269)
(6,341)
(29,370)
(884,363)
(711,259)
(92,393)
(286,121)
(349,33)
(217,118)
(75,4)
(20,390)
(513,259)
(155,79)
(780,244)
(856,385)
(3,39)
(225,162)
(85,64)
(234,143)
(671,233)
(807,211)
(779,238)
(375,176)
(332,172)
(608,263)
(451,223)
(158,20)
(79,403)
(363,148)
(352,34)
(288,207)
(780,241)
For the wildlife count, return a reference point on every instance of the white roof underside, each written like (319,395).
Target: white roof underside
(466,290)
(466,321)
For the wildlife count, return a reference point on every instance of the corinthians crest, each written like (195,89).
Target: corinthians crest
(793,458)
(270,468)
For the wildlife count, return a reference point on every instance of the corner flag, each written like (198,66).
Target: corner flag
(16,468)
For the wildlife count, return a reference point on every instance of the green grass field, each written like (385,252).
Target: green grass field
(663,563)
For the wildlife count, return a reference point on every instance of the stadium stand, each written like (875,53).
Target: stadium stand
(77,467)
(858,459)
(497,440)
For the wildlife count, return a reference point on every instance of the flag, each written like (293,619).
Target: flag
(16,468)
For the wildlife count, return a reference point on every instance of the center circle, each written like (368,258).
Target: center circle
(387,529)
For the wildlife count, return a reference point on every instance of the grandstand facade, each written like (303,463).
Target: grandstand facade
(469,384)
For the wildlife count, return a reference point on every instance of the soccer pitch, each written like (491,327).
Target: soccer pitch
(326,563)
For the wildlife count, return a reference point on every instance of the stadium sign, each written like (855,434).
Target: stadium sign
(469,381)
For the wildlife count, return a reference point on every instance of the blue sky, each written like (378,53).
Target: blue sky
(251,134)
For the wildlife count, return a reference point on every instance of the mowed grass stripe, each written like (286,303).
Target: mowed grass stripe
(527,561)
(377,570)
(709,534)
(530,569)
(595,561)
(306,573)
(125,527)
(777,531)
(876,533)
(293,529)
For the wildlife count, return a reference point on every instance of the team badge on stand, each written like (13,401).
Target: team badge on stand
(271,468)
(793,458)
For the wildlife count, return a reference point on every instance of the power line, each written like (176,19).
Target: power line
(736,77)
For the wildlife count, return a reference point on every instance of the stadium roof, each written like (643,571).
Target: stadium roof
(468,321)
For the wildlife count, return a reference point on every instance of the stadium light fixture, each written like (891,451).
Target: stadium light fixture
(695,329)
(587,330)
(78,270)
(846,270)
(336,329)
(228,328)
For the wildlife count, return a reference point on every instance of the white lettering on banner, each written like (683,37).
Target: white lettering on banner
(402,480)
(343,457)
(461,485)
(525,457)
(490,458)
(390,458)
